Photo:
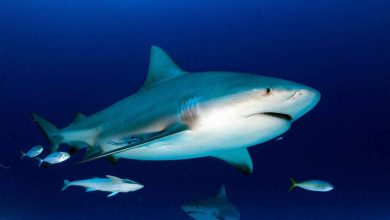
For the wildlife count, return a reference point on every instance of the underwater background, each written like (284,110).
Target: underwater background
(61,57)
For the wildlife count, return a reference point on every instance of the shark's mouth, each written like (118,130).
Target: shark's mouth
(278,115)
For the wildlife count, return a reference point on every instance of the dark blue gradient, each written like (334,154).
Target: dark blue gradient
(61,57)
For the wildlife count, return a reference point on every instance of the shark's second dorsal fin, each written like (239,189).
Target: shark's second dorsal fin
(161,68)
(78,117)
(222,192)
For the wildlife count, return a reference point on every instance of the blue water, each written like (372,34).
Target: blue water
(61,57)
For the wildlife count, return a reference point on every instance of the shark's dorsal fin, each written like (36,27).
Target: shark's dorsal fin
(222,192)
(239,158)
(161,68)
(114,179)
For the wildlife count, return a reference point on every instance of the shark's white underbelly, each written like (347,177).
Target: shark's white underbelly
(209,139)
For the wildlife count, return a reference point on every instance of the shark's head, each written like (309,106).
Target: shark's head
(261,108)
(275,98)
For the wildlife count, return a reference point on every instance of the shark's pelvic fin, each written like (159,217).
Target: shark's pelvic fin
(113,160)
(161,68)
(222,192)
(169,131)
(50,131)
(239,158)
(114,179)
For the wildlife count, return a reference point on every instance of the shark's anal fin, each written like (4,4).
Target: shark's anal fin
(113,160)
(239,158)
(169,131)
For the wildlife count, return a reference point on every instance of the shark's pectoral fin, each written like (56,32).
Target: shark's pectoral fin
(167,132)
(239,158)
(112,194)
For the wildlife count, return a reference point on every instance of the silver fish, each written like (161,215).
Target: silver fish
(53,158)
(33,152)
(312,185)
(111,184)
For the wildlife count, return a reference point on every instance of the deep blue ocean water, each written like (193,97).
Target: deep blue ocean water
(61,57)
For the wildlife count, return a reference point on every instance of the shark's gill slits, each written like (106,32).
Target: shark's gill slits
(278,115)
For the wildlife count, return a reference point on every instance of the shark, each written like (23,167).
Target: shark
(214,208)
(179,115)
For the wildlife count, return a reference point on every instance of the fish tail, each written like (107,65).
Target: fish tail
(23,155)
(66,185)
(294,184)
(40,161)
(50,131)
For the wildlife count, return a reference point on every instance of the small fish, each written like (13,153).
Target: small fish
(111,184)
(312,185)
(33,152)
(53,158)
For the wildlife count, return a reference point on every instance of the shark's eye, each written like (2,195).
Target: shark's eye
(266,92)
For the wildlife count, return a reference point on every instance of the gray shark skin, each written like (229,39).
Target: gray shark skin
(214,208)
(178,115)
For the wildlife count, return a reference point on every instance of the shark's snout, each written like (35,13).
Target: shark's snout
(303,100)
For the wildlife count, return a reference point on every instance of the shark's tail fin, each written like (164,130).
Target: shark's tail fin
(66,185)
(50,131)
(23,155)
(294,184)
(40,161)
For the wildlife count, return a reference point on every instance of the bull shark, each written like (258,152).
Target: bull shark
(214,208)
(179,115)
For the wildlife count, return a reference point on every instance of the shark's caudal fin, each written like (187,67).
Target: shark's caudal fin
(50,131)
(66,185)
(294,184)
(239,158)
(161,68)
